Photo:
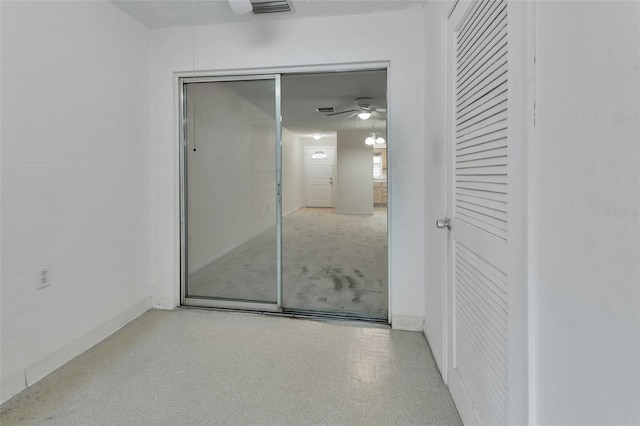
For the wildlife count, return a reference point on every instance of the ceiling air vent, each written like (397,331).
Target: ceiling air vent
(271,6)
(326,109)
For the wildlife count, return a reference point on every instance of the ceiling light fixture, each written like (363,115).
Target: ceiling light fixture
(241,6)
(374,138)
(316,136)
(364,115)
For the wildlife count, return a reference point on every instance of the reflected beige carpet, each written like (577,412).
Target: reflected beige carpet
(331,263)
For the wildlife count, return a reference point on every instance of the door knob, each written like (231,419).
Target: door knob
(443,223)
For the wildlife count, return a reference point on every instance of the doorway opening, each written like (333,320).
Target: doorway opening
(286,215)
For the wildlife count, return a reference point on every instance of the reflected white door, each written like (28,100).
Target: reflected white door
(487,54)
(319,176)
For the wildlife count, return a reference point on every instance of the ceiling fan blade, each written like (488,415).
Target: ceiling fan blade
(342,112)
(353,114)
(379,115)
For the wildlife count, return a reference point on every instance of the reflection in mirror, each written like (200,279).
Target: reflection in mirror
(334,193)
(231,191)
(334,226)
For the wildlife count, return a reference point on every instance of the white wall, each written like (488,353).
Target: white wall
(292,172)
(296,43)
(354,173)
(586,214)
(75,181)
(231,174)
(435,160)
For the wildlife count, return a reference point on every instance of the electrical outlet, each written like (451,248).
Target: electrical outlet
(43,277)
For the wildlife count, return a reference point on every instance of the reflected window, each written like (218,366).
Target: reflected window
(319,155)
(377,165)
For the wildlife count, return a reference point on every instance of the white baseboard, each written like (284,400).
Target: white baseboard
(407,322)
(165,304)
(41,368)
(436,355)
(354,213)
(292,211)
(12,385)
(465,408)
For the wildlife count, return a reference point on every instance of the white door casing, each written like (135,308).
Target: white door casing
(486,290)
(319,168)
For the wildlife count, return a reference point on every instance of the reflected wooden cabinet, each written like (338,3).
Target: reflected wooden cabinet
(380,193)
(380,188)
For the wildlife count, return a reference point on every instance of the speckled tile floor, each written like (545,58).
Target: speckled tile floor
(191,367)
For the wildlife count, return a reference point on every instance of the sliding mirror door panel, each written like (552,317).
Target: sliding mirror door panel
(230,193)
(334,224)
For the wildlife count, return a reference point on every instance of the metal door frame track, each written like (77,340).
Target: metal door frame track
(302,314)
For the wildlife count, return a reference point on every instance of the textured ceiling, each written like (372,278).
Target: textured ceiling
(174,13)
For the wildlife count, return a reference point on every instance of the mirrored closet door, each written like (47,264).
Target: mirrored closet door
(230,189)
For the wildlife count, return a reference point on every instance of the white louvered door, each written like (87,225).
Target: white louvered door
(487,117)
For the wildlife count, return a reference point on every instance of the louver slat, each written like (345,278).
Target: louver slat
(476,138)
(480,39)
(481,105)
(483,56)
(482,330)
(489,83)
(496,139)
(492,89)
(480,152)
(495,122)
(481,116)
(468,37)
(493,197)
(488,211)
(481,157)
(499,206)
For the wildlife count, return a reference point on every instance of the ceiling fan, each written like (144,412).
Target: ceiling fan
(363,108)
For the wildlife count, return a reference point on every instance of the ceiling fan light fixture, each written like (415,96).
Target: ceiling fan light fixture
(364,115)
(374,138)
(316,136)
